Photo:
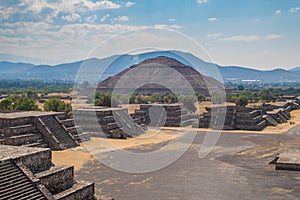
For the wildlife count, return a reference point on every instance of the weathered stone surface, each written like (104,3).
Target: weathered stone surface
(245,118)
(39,129)
(34,167)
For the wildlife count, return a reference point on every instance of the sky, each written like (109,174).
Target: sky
(260,34)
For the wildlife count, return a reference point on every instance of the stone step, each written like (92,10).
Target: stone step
(22,129)
(37,145)
(68,122)
(75,129)
(79,191)
(16,185)
(16,175)
(21,184)
(57,178)
(23,139)
(82,137)
(188,122)
(2,141)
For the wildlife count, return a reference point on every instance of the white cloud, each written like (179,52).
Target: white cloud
(164,26)
(214,35)
(272,37)
(244,38)
(72,18)
(122,18)
(295,10)
(172,20)
(53,8)
(213,19)
(104,17)
(91,19)
(278,12)
(202,1)
(99,5)
(5,13)
(129,4)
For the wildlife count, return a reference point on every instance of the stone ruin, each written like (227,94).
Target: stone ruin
(168,115)
(118,123)
(28,173)
(39,129)
(288,159)
(108,122)
(245,118)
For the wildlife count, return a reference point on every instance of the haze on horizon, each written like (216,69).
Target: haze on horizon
(260,34)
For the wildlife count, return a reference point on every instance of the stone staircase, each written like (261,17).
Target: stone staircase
(127,124)
(29,174)
(176,115)
(15,185)
(102,123)
(61,134)
(25,135)
(77,132)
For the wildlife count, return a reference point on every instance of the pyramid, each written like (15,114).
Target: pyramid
(157,74)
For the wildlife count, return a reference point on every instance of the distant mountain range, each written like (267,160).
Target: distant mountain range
(112,65)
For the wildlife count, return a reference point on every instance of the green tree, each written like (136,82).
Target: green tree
(102,99)
(240,87)
(139,99)
(242,101)
(156,98)
(200,97)
(55,105)
(217,98)
(170,98)
(24,103)
(6,104)
(32,94)
(19,102)
(266,95)
(189,102)
(132,99)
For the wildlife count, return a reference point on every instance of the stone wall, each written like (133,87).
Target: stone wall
(34,166)
(109,122)
(245,118)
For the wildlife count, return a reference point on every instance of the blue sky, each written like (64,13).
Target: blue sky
(261,34)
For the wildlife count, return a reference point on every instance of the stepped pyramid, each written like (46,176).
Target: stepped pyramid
(165,68)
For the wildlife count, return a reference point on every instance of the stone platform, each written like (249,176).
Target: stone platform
(108,122)
(288,160)
(39,129)
(246,118)
(165,115)
(28,173)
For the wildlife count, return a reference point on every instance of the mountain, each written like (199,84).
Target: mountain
(295,69)
(19,59)
(159,75)
(95,70)
(237,74)
(8,67)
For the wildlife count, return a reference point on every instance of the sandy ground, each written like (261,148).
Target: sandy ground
(80,155)
(131,107)
(282,128)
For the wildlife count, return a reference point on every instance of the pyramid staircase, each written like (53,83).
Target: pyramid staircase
(61,133)
(28,174)
(15,185)
(127,124)
(76,131)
